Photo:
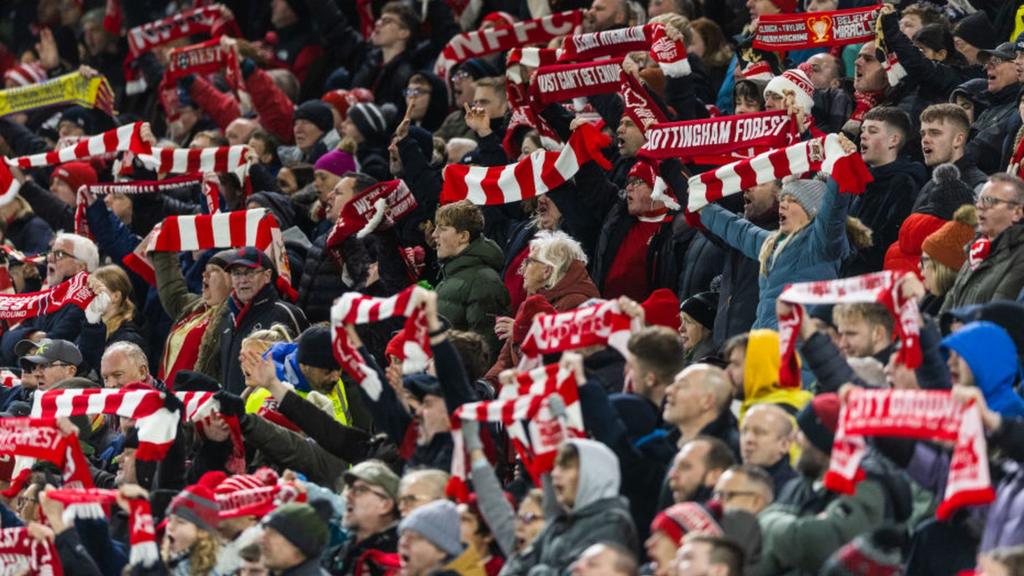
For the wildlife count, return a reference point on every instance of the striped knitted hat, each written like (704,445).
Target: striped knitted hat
(247,494)
(197,504)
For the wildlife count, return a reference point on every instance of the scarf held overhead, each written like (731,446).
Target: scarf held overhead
(69,89)
(930,415)
(121,139)
(639,105)
(203,20)
(598,324)
(878,287)
(826,154)
(354,308)
(781,32)
(90,503)
(532,176)
(128,188)
(376,208)
(479,43)
(668,53)
(721,140)
(563,82)
(31,439)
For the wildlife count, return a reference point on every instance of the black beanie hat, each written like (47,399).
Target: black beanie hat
(819,419)
(304,525)
(977,30)
(371,120)
(316,112)
(701,307)
(421,385)
(315,348)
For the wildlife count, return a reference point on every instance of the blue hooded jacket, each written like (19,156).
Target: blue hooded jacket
(990,353)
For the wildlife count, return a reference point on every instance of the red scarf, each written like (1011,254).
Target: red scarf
(563,82)
(479,43)
(878,287)
(354,308)
(826,154)
(124,138)
(20,552)
(532,176)
(537,442)
(9,186)
(978,252)
(779,32)
(720,140)
(74,290)
(669,54)
(205,20)
(525,112)
(376,208)
(595,325)
(30,439)
(639,105)
(930,415)
(1016,166)
(204,58)
(84,503)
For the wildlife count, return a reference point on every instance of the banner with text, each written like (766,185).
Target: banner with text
(719,141)
(777,32)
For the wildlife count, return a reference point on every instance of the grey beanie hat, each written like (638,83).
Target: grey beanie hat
(438,523)
(809,194)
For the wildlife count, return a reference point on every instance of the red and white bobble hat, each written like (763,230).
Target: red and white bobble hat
(758,71)
(796,80)
(24,75)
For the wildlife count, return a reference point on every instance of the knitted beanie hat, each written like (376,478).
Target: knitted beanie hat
(315,348)
(644,171)
(336,162)
(341,100)
(819,420)
(197,503)
(369,119)
(976,29)
(25,75)
(438,523)
(702,307)
(662,309)
(946,245)
(317,113)
(796,80)
(75,174)
(809,194)
(247,494)
(680,519)
(304,525)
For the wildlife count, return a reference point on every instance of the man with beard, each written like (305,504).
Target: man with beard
(807,523)
(695,471)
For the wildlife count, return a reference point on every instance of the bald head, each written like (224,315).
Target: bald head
(699,392)
(825,71)
(239,131)
(765,435)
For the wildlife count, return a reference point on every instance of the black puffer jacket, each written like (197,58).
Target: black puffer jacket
(993,125)
(323,279)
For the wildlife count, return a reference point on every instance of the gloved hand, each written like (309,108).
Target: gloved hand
(471,435)
(94,311)
(230,405)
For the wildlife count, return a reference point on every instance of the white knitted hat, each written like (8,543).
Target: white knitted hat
(797,81)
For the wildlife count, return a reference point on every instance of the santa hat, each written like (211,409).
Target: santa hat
(662,309)
(660,191)
(25,75)
(799,82)
(247,494)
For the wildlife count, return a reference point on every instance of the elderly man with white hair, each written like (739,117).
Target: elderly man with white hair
(69,255)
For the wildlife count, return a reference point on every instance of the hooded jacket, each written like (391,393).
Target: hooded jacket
(598,514)
(814,252)
(437,109)
(471,294)
(761,376)
(992,357)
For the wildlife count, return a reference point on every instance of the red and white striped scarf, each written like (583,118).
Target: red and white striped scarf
(9,186)
(74,290)
(532,176)
(878,287)
(204,20)
(563,82)
(538,440)
(199,406)
(847,169)
(639,105)
(721,140)
(31,439)
(669,54)
(190,160)
(255,227)
(376,208)
(479,43)
(930,415)
(354,308)
(23,554)
(595,325)
(156,424)
(204,58)
(120,139)
(92,503)
(129,188)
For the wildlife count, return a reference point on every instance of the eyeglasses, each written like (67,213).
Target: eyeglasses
(634,181)
(461,75)
(55,365)
(360,489)
(996,61)
(987,202)
(58,255)
(726,495)
(414,92)
(385,20)
(411,499)
(529,517)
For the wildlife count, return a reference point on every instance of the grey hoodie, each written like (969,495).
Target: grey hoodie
(598,515)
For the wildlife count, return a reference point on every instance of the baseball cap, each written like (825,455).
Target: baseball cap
(26,347)
(250,257)
(1006,51)
(376,473)
(54,351)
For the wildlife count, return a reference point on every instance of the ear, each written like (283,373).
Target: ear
(463,236)
(941,55)
(959,139)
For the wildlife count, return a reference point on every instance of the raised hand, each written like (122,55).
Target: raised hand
(477,120)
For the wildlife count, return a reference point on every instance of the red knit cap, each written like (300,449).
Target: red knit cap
(662,309)
(680,519)
(644,171)
(197,504)
(25,74)
(75,174)
(340,100)
(247,494)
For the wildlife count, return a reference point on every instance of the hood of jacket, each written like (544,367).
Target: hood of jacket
(915,170)
(761,374)
(599,475)
(576,283)
(480,252)
(992,357)
(285,357)
(437,109)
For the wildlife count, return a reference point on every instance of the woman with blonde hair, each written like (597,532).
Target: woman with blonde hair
(943,253)
(115,321)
